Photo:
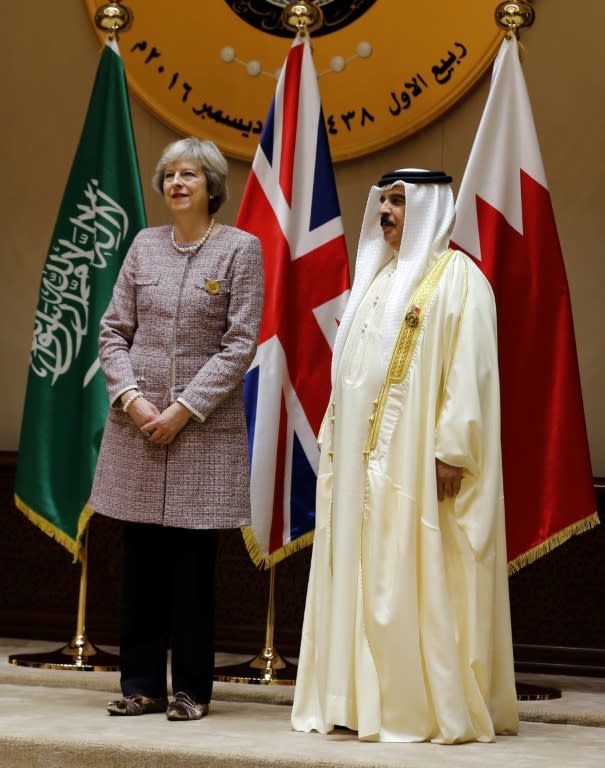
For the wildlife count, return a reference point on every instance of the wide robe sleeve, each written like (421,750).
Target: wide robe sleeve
(467,431)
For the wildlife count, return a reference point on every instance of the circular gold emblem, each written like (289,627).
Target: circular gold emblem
(386,69)
(212,286)
(412,318)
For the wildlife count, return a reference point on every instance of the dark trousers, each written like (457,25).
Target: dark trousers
(168,602)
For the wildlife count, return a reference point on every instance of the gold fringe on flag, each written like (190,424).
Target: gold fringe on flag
(265,562)
(260,560)
(581,526)
(74,546)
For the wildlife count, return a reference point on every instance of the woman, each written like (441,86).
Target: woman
(176,340)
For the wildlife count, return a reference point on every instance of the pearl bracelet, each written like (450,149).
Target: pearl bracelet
(130,401)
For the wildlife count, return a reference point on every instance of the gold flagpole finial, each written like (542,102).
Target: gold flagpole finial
(302,17)
(513,16)
(113,18)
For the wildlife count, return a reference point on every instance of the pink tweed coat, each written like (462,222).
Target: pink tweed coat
(185,327)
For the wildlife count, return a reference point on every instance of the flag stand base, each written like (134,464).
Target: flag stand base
(528,692)
(267,668)
(80,654)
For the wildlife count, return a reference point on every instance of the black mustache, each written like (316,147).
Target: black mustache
(386,220)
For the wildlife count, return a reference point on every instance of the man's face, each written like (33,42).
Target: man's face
(392,215)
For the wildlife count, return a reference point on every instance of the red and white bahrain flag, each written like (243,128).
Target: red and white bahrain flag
(290,203)
(505,220)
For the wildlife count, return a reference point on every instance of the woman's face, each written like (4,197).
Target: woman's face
(185,189)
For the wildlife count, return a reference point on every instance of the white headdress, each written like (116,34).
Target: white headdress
(429,219)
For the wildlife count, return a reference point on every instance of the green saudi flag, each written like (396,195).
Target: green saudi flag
(66,402)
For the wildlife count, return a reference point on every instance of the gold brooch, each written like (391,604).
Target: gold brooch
(413,317)
(212,286)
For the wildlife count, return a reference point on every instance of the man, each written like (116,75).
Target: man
(406,634)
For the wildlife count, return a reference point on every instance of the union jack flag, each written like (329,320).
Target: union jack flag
(290,203)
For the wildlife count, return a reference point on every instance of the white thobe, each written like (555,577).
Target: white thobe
(406,634)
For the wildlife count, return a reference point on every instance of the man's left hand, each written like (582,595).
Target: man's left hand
(449,479)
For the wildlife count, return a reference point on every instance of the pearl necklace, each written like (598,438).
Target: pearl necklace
(194,246)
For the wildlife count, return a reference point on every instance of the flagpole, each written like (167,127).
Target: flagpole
(512,17)
(268,667)
(268,660)
(80,653)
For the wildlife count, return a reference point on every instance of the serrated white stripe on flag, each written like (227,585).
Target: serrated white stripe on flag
(496,176)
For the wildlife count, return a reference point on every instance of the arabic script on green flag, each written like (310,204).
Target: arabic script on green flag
(66,402)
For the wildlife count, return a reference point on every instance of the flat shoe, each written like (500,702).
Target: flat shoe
(136,705)
(184,708)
